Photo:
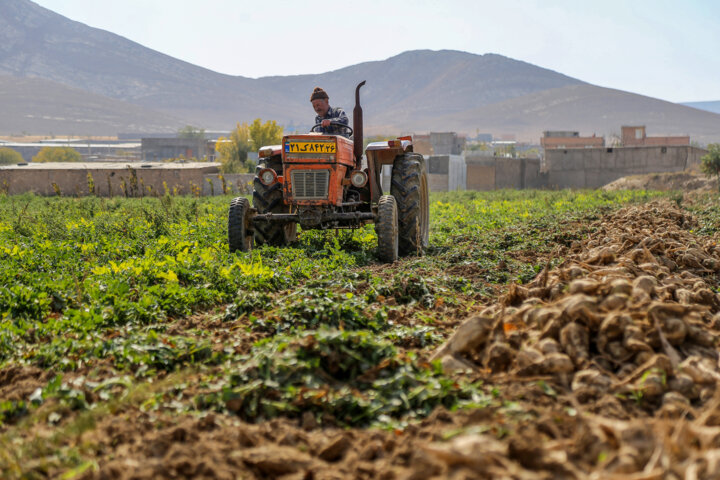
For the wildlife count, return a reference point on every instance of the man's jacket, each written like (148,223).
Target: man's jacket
(334,115)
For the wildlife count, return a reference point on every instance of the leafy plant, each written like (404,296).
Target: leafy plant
(8,156)
(57,154)
(347,378)
(711,162)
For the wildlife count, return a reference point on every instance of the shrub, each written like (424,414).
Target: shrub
(57,154)
(8,156)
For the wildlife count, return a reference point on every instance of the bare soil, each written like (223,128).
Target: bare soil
(682,181)
(603,367)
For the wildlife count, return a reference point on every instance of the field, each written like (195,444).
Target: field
(543,335)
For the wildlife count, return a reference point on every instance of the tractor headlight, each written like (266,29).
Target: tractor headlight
(267,176)
(358,178)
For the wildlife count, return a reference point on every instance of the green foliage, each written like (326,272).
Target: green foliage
(232,152)
(348,378)
(8,156)
(508,151)
(315,305)
(408,288)
(711,162)
(191,133)
(264,134)
(11,410)
(96,284)
(57,154)
(478,147)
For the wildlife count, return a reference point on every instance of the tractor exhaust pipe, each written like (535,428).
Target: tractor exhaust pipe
(358,125)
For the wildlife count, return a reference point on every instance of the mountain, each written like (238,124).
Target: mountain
(36,42)
(420,83)
(707,106)
(37,105)
(128,87)
(587,109)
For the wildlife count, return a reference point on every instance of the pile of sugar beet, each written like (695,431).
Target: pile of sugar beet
(625,331)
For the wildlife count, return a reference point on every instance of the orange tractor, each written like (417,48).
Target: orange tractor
(322,181)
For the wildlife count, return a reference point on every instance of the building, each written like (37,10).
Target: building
(161,149)
(490,172)
(632,136)
(595,167)
(439,143)
(422,145)
(569,139)
(88,150)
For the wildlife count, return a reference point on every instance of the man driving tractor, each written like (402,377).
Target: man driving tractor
(327,114)
(322,181)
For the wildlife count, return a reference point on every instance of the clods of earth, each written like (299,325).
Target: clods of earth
(603,366)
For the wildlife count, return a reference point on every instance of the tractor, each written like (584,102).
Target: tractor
(322,181)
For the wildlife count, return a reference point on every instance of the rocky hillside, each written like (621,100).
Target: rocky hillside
(414,91)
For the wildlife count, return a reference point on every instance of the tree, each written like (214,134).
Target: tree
(232,152)
(478,146)
(262,134)
(8,156)
(711,162)
(191,133)
(57,154)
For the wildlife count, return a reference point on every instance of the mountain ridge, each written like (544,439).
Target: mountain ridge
(708,106)
(417,90)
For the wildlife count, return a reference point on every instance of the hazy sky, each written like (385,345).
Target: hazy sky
(661,48)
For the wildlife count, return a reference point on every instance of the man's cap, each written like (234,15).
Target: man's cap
(318,93)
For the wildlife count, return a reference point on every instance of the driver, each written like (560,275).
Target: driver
(327,114)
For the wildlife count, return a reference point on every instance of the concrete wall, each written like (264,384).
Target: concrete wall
(237,183)
(486,172)
(595,167)
(571,168)
(446,143)
(446,172)
(422,145)
(128,152)
(109,179)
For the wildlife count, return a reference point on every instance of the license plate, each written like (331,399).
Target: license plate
(309,147)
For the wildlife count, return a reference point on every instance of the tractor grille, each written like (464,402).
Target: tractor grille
(310,184)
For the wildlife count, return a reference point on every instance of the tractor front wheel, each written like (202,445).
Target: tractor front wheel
(386,228)
(410,188)
(239,236)
(269,199)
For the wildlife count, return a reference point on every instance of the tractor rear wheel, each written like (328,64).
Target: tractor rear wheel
(239,235)
(269,199)
(386,228)
(409,186)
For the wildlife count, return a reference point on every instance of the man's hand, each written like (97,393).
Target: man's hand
(325,123)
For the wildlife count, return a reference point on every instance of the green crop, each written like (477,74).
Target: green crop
(137,288)
(312,373)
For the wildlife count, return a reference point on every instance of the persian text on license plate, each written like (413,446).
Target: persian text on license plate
(309,147)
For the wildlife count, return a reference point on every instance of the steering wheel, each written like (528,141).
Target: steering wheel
(337,124)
